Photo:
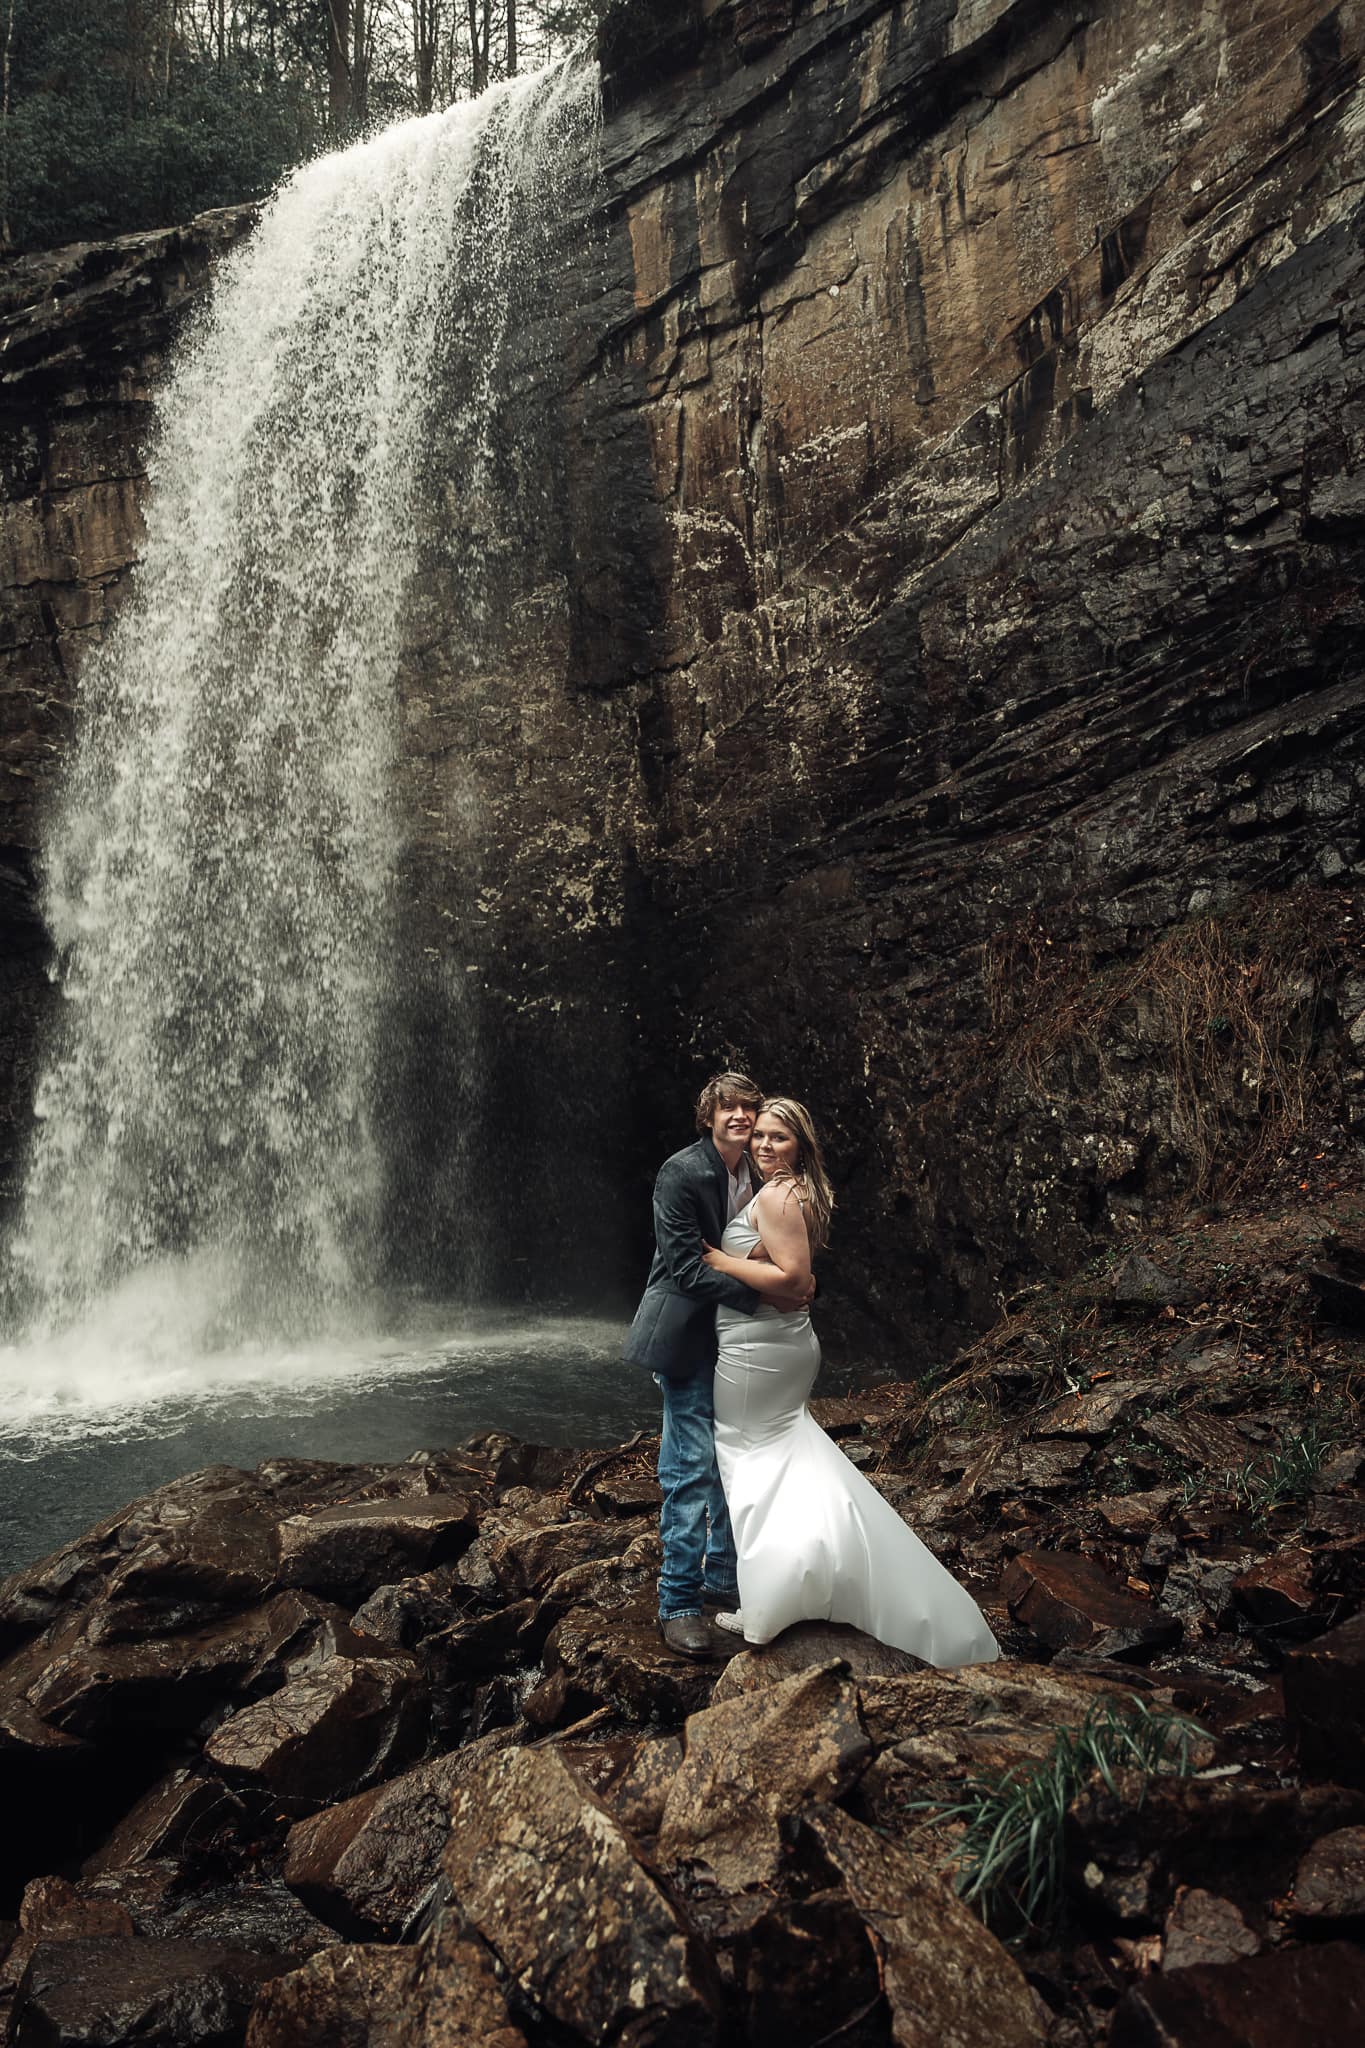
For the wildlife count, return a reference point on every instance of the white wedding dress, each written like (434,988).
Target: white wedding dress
(815,1540)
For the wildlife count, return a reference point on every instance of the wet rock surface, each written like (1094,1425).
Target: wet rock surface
(481,1802)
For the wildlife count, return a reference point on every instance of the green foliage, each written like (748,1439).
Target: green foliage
(1009,1859)
(104,136)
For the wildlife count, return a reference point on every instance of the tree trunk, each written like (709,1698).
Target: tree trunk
(478,51)
(338,64)
(6,236)
(511,38)
(359,61)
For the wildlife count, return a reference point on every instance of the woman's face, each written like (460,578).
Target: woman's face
(774,1145)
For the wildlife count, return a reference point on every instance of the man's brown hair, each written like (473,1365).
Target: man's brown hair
(723,1091)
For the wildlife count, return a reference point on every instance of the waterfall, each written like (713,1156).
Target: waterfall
(219,867)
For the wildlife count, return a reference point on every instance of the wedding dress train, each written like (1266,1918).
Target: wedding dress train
(816,1541)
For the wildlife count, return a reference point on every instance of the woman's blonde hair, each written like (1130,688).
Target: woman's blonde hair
(809,1168)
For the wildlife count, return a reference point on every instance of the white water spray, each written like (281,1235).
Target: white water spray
(219,871)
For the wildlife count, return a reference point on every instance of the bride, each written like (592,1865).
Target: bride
(816,1541)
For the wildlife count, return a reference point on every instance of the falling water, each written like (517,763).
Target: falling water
(219,872)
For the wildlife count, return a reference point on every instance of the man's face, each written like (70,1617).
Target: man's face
(732,1122)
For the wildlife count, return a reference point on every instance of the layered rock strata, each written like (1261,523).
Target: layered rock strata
(929,667)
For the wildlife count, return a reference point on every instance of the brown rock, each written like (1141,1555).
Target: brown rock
(544,1875)
(85,1685)
(1278,1592)
(1141,1286)
(52,1907)
(1324,1699)
(351,1550)
(102,1991)
(182,1804)
(527,1563)
(594,1658)
(754,1759)
(408,1611)
(1314,1998)
(1135,1515)
(479,1644)
(1001,1468)
(329,1732)
(1091,1414)
(638,1793)
(1202,1928)
(1070,1601)
(1208,1441)
(997,1699)
(948,1981)
(367,1864)
(811,1643)
(1329,1889)
(456,2000)
(345,1997)
(628,1494)
(1134,1846)
(798,1968)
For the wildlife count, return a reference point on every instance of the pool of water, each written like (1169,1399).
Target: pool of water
(84,1430)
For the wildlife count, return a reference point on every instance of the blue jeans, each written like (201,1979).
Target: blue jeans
(694,1524)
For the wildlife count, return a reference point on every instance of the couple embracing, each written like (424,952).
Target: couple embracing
(764,1521)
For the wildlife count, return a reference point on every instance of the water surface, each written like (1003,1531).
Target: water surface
(84,1430)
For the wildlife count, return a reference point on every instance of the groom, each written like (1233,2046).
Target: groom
(698,1191)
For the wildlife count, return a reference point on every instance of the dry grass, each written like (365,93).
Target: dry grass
(1227,1006)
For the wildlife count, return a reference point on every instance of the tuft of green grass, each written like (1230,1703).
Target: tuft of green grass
(1008,1862)
(1285,1480)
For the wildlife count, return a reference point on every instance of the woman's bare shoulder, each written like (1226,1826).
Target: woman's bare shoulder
(776,1197)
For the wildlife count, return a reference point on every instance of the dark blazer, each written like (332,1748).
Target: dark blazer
(674,1331)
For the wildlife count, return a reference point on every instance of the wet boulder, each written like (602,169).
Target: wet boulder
(529,1561)
(85,1685)
(753,1760)
(73,1576)
(406,1612)
(812,1643)
(255,1912)
(184,1803)
(1329,1886)
(948,1982)
(636,1784)
(1069,1601)
(1277,1592)
(103,1991)
(1133,1846)
(1202,1927)
(368,1864)
(329,1732)
(796,1969)
(1313,1997)
(551,1883)
(1324,1700)
(454,1998)
(477,1645)
(350,1550)
(617,1659)
(344,1997)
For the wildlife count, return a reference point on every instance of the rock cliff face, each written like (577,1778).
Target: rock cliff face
(935,677)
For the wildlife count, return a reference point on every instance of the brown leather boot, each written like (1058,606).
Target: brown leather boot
(690,1635)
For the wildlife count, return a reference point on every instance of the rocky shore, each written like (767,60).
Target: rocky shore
(329,1754)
